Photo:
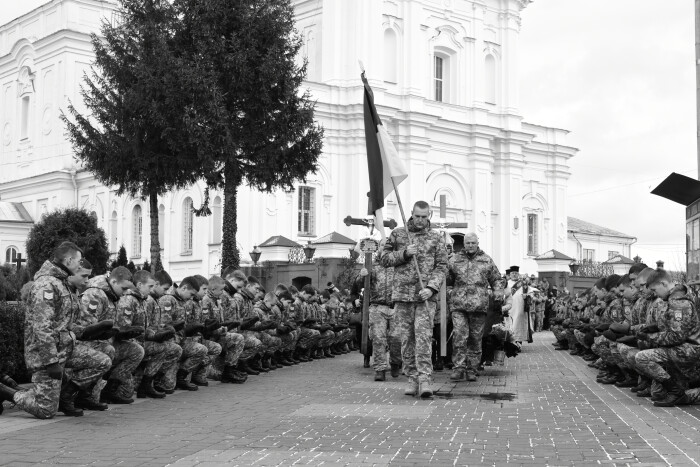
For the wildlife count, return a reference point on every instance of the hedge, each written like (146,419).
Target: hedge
(12,341)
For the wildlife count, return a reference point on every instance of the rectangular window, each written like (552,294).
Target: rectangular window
(438,79)
(24,123)
(138,232)
(696,234)
(307,213)
(532,235)
(588,255)
(612,254)
(187,225)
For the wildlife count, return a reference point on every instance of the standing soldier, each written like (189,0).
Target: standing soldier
(49,346)
(471,272)
(415,307)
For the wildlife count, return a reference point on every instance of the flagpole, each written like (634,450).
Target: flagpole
(408,234)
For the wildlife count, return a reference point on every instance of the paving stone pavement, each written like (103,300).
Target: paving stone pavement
(542,408)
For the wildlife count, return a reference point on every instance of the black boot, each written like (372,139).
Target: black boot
(86,402)
(69,391)
(255,365)
(6,394)
(675,395)
(395,370)
(439,366)
(327,352)
(146,389)
(366,363)
(230,375)
(244,367)
(110,395)
(285,360)
(266,364)
(182,382)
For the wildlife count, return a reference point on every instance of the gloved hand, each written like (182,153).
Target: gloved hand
(610,335)
(94,330)
(643,345)
(249,322)
(164,335)
(651,328)
(210,326)
(193,328)
(586,320)
(620,328)
(642,335)
(628,340)
(106,335)
(179,325)
(55,371)
(231,324)
(282,329)
(129,332)
(309,322)
(603,327)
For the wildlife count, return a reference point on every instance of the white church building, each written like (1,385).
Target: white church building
(445,77)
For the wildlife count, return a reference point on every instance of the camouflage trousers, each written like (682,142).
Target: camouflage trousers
(601,347)
(213,351)
(87,367)
(651,362)
(270,344)
(308,338)
(558,332)
(384,332)
(539,320)
(580,337)
(289,340)
(105,347)
(251,346)
(160,356)
(693,396)
(232,345)
(468,330)
(571,338)
(128,356)
(415,321)
(327,339)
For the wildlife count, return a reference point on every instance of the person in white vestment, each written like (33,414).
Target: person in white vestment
(523,322)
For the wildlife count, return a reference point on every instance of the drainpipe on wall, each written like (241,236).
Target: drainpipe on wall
(573,234)
(73,173)
(630,246)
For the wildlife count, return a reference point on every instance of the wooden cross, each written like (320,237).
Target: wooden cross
(443,289)
(391,223)
(19,260)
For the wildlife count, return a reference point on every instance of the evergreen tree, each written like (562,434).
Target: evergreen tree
(146,266)
(267,135)
(122,259)
(72,225)
(144,131)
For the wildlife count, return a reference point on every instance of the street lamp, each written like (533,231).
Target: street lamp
(255,254)
(309,251)
(353,254)
(574,268)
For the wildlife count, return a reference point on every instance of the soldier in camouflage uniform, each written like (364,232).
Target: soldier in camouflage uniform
(194,354)
(327,338)
(383,328)
(677,340)
(286,302)
(308,336)
(49,346)
(252,346)
(471,272)
(159,349)
(414,308)
(193,309)
(100,299)
(268,312)
(224,366)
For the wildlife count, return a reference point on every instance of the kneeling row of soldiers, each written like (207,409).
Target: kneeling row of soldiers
(90,342)
(641,331)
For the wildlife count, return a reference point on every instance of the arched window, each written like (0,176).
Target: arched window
(216,218)
(391,56)
(490,79)
(10,254)
(161,226)
(113,244)
(137,231)
(187,224)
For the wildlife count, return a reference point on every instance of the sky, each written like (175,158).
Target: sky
(620,76)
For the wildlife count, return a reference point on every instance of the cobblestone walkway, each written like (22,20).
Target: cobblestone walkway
(543,408)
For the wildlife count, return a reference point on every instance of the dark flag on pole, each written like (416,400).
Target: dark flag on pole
(382,158)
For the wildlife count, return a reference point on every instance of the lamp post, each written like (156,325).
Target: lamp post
(574,268)
(353,254)
(309,251)
(255,254)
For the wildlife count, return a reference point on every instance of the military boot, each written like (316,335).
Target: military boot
(230,375)
(471,375)
(158,386)
(644,383)
(256,364)
(69,391)
(244,367)
(439,364)
(301,355)
(110,394)
(284,359)
(266,365)
(346,348)
(458,374)
(425,388)
(6,394)
(630,380)
(182,382)
(87,402)
(319,354)
(380,375)
(366,362)
(646,392)
(146,389)
(412,387)
(675,395)
(327,352)
(395,370)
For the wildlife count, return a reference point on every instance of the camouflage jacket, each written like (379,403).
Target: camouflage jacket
(227,306)
(100,300)
(154,314)
(470,277)
(263,312)
(53,309)
(131,311)
(173,307)
(244,304)
(212,308)
(638,313)
(381,281)
(193,310)
(678,323)
(627,306)
(301,310)
(432,262)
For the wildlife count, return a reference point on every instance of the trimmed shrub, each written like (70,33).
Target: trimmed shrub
(12,341)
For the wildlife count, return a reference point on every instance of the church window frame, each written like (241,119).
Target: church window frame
(137,231)
(490,79)
(588,254)
(187,225)
(306,211)
(11,254)
(439,77)
(391,56)
(532,234)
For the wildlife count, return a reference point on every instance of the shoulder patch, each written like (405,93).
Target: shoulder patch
(678,315)
(48,295)
(93,304)
(167,306)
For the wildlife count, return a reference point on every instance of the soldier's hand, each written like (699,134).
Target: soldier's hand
(193,328)
(162,336)
(642,335)
(411,250)
(55,371)
(364,272)
(94,330)
(425,294)
(651,328)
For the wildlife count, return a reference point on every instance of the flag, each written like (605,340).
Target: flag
(382,158)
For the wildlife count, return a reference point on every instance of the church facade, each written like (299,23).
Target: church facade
(446,86)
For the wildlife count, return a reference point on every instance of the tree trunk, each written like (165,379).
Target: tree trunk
(156,264)
(229,251)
